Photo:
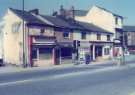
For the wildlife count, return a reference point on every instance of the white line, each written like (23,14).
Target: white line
(57,76)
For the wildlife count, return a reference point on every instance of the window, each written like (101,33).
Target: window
(107,51)
(66,34)
(116,20)
(16,26)
(108,38)
(42,30)
(45,53)
(83,35)
(98,36)
(34,53)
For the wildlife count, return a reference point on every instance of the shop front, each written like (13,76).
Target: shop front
(41,51)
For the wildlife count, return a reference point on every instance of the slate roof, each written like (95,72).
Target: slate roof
(80,12)
(58,21)
(94,28)
(62,22)
(129,28)
(27,16)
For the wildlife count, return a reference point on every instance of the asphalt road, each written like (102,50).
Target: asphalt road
(91,80)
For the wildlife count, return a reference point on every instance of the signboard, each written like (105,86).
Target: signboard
(84,44)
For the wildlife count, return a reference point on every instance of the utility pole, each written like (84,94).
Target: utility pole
(24,61)
(123,48)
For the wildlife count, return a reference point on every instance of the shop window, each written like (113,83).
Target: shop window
(45,53)
(34,53)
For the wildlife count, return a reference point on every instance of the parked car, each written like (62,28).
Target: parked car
(1,62)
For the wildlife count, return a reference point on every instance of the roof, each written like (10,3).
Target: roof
(27,16)
(80,12)
(129,28)
(94,28)
(62,22)
(109,11)
(58,21)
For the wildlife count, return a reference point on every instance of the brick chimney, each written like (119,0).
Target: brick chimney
(72,14)
(62,11)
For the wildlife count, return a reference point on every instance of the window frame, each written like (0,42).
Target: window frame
(108,37)
(66,37)
(116,20)
(42,30)
(98,36)
(106,51)
(83,35)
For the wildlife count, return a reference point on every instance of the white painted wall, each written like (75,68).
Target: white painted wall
(110,54)
(36,31)
(12,41)
(1,39)
(101,18)
(90,37)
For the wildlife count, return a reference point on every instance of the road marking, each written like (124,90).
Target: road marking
(57,76)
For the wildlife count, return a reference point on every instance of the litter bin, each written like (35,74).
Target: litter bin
(87,58)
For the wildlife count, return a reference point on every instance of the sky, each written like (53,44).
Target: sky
(124,8)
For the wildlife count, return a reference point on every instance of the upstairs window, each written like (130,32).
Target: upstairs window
(108,38)
(83,35)
(42,30)
(16,26)
(98,36)
(66,35)
(116,20)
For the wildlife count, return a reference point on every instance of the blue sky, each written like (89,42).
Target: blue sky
(122,7)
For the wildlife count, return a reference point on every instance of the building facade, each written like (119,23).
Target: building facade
(45,40)
(106,20)
(129,38)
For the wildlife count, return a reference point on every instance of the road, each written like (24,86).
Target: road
(79,80)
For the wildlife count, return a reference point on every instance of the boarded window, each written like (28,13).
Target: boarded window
(45,53)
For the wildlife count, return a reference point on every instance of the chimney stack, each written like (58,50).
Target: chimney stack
(62,11)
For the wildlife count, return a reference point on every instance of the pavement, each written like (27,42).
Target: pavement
(102,64)
(105,63)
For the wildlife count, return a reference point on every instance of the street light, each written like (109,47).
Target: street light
(24,61)
(123,47)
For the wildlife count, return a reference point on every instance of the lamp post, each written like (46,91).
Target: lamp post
(23,30)
(123,48)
